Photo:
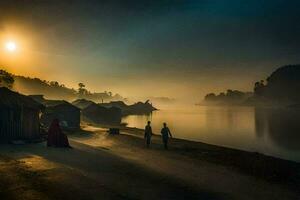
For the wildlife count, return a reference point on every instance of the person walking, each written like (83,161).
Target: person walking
(165,133)
(148,133)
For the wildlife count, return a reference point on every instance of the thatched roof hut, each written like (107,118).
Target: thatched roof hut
(99,114)
(82,103)
(19,116)
(96,113)
(138,108)
(68,114)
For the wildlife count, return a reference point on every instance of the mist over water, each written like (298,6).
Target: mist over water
(272,132)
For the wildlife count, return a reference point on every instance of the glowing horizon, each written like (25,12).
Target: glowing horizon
(178,50)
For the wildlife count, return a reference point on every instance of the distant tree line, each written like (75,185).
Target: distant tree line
(52,89)
(228,97)
(6,79)
(280,88)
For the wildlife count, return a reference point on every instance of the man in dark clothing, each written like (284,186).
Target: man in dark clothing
(165,133)
(148,134)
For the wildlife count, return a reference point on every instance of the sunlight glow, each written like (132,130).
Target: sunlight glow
(11,46)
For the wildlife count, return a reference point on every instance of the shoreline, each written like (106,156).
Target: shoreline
(140,131)
(241,159)
(251,163)
(107,166)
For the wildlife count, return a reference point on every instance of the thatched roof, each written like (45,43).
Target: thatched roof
(51,103)
(82,103)
(100,114)
(59,103)
(12,99)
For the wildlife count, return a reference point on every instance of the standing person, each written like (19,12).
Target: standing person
(148,134)
(165,133)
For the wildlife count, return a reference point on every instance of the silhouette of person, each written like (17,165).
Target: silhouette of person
(148,134)
(56,137)
(165,132)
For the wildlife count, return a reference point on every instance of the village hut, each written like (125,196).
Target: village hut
(65,112)
(68,114)
(38,97)
(99,114)
(19,116)
(82,103)
(138,108)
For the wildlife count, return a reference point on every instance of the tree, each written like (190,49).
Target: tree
(81,85)
(54,84)
(210,97)
(6,79)
(259,87)
(81,90)
(283,85)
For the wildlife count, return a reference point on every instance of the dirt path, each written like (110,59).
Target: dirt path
(119,167)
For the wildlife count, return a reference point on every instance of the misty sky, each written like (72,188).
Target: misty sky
(181,49)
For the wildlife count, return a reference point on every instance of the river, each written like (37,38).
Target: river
(274,132)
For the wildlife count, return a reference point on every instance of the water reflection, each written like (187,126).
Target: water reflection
(282,126)
(261,125)
(273,132)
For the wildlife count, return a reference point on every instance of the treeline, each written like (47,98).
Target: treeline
(53,89)
(228,97)
(280,88)
(6,79)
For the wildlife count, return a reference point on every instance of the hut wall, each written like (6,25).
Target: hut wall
(30,124)
(102,115)
(10,124)
(18,124)
(71,116)
(63,113)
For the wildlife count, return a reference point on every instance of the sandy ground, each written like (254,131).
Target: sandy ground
(101,166)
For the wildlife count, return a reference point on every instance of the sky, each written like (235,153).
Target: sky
(181,49)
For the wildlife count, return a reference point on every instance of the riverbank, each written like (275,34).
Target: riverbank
(252,163)
(120,167)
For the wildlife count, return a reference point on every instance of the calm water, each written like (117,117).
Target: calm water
(273,132)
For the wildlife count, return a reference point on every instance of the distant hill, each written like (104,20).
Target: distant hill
(52,89)
(281,88)
(283,85)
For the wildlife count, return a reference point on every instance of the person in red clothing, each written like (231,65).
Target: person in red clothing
(56,138)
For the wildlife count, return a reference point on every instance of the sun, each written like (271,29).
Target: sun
(10,46)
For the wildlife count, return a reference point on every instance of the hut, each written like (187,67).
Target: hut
(101,115)
(19,116)
(38,97)
(68,114)
(138,108)
(82,103)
